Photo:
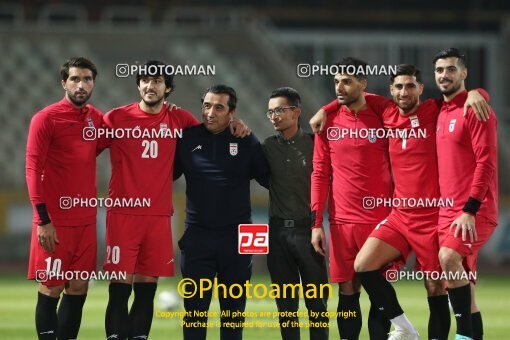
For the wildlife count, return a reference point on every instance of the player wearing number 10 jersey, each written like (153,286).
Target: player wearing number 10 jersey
(139,238)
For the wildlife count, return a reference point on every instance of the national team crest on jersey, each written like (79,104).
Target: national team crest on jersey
(414,121)
(371,137)
(233,149)
(90,122)
(163,126)
(452,125)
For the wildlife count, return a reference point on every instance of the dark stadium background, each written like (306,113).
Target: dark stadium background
(256,47)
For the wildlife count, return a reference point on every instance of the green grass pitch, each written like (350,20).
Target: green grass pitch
(18,298)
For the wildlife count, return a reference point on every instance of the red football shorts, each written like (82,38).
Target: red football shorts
(74,257)
(412,230)
(484,229)
(139,244)
(345,242)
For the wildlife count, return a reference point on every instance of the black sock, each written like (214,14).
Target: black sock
(69,316)
(116,318)
(142,309)
(460,299)
(439,318)
(378,325)
(381,292)
(46,321)
(476,319)
(349,319)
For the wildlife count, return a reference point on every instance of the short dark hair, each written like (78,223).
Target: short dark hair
(144,72)
(80,62)
(291,94)
(357,63)
(223,89)
(407,70)
(451,52)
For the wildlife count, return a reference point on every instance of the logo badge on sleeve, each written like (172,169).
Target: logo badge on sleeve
(233,149)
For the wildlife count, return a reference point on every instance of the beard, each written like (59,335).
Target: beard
(407,107)
(449,91)
(347,100)
(153,103)
(78,101)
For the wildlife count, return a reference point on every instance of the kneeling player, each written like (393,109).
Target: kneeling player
(414,168)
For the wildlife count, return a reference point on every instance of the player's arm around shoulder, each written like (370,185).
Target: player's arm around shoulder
(185,119)
(267,145)
(478,101)
(483,132)
(318,121)
(258,161)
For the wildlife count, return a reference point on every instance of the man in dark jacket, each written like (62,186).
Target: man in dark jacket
(218,168)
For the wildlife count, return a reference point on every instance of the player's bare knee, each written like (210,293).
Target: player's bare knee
(348,288)
(435,288)
(360,264)
(145,279)
(53,291)
(449,259)
(77,287)
(128,280)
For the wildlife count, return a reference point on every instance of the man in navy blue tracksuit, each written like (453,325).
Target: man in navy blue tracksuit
(218,168)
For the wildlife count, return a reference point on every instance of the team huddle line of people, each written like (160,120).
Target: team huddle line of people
(455,159)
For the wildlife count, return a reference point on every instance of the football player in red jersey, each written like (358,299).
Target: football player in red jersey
(60,166)
(349,169)
(139,238)
(467,152)
(414,168)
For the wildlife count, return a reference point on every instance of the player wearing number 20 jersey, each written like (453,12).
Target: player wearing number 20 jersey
(142,140)
(141,169)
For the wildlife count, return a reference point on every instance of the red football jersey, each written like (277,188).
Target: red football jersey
(467,152)
(350,168)
(142,157)
(413,159)
(60,163)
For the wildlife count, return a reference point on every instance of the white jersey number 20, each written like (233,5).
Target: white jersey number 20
(150,149)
